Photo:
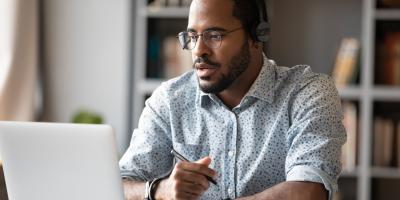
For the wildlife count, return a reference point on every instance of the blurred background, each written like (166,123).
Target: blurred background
(96,61)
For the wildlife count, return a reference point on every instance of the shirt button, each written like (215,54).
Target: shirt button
(229,191)
(230,153)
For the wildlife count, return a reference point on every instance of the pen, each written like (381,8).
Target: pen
(181,158)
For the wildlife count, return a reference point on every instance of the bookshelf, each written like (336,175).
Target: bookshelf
(146,16)
(301,25)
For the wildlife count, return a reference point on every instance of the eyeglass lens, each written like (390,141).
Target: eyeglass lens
(211,38)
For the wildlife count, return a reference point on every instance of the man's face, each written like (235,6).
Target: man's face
(218,68)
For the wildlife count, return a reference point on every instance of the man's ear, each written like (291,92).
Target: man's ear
(256,45)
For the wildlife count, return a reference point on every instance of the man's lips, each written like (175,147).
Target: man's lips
(204,70)
(201,66)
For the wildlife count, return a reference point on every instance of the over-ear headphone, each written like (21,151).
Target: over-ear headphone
(261,29)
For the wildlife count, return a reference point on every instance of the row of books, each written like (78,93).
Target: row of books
(389,3)
(388,59)
(346,67)
(166,58)
(169,3)
(347,64)
(349,149)
(386,140)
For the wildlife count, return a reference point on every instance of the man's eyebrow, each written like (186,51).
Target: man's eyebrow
(207,29)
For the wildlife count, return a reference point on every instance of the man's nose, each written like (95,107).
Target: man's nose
(201,48)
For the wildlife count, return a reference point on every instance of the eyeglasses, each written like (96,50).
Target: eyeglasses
(212,38)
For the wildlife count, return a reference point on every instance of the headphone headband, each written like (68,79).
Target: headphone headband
(262,28)
(261,11)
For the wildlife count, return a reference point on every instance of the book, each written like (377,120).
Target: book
(173,3)
(377,155)
(153,69)
(383,141)
(387,142)
(345,70)
(397,147)
(176,60)
(391,59)
(156,4)
(390,3)
(349,149)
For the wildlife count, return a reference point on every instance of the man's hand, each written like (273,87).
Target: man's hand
(187,181)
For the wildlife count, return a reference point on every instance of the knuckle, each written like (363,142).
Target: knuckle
(199,167)
(179,165)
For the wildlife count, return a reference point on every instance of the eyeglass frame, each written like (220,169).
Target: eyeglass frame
(184,44)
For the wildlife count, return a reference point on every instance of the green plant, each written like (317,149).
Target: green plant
(87,117)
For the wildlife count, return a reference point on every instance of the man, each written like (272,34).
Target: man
(261,131)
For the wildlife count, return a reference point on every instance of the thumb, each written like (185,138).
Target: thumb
(204,161)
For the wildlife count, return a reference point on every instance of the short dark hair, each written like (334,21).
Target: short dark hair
(247,12)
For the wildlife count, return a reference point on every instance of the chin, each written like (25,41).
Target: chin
(214,84)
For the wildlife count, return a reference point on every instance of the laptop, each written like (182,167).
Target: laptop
(56,161)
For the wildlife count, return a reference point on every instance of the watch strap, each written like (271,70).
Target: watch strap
(147,191)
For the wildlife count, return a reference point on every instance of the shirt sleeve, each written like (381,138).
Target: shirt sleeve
(146,159)
(316,134)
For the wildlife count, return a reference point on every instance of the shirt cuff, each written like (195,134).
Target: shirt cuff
(310,174)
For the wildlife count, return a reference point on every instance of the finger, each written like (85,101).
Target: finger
(192,188)
(181,174)
(197,168)
(204,161)
(186,190)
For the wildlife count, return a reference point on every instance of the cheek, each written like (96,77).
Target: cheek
(193,57)
(224,57)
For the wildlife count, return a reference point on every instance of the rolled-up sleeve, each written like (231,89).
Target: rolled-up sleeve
(148,154)
(316,135)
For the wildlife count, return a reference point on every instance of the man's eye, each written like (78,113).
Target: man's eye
(214,36)
(192,36)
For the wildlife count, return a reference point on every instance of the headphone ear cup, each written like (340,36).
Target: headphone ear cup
(262,31)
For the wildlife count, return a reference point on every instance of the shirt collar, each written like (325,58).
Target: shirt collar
(262,87)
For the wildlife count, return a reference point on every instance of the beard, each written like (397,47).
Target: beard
(236,66)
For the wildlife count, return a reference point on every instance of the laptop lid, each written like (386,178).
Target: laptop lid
(48,161)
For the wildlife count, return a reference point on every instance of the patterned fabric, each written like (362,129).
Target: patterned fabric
(286,128)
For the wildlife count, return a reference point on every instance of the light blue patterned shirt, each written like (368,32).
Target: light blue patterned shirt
(287,128)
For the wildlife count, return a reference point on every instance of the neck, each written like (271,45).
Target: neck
(234,94)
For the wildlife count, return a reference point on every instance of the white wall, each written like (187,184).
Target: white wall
(86,47)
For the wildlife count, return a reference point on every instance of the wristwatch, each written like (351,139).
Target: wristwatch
(147,191)
(150,189)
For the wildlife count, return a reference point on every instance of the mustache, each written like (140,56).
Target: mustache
(205,60)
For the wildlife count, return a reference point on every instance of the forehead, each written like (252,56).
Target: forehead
(204,14)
